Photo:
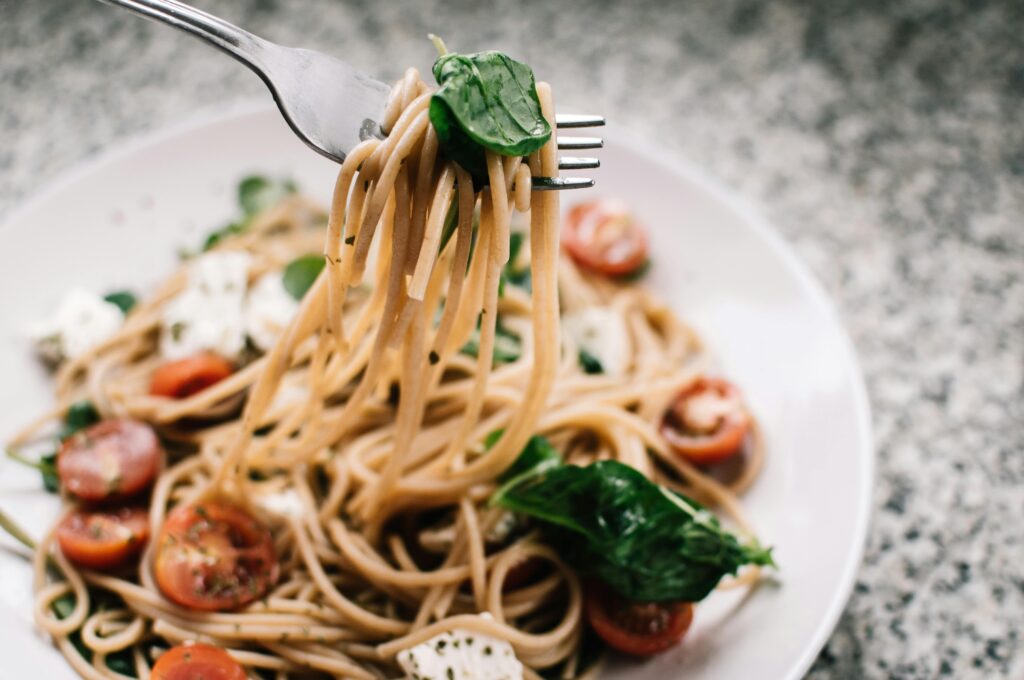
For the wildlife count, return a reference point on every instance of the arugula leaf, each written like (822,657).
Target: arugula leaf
(645,542)
(256,193)
(590,363)
(124,299)
(507,346)
(79,416)
(488,101)
(300,274)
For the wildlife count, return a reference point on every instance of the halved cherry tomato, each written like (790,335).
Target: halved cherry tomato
(214,556)
(196,661)
(103,540)
(112,459)
(602,236)
(707,422)
(636,628)
(185,377)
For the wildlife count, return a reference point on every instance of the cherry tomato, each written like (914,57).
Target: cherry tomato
(112,459)
(214,556)
(636,628)
(185,377)
(103,540)
(196,661)
(707,422)
(602,236)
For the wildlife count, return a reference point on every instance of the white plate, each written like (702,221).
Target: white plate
(118,221)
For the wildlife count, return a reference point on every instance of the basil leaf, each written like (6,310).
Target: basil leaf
(124,299)
(486,101)
(300,274)
(590,363)
(645,542)
(257,193)
(79,416)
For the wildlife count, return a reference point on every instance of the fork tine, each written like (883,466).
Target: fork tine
(577,120)
(558,183)
(573,143)
(577,163)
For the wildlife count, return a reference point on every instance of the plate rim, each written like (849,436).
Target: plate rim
(127,145)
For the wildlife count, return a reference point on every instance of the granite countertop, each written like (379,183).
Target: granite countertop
(884,140)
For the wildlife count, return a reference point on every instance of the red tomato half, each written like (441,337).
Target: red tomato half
(111,459)
(196,661)
(103,540)
(602,236)
(707,422)
(214,556)
(636,628)
(185,377)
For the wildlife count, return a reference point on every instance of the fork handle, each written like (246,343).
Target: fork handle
(240,44)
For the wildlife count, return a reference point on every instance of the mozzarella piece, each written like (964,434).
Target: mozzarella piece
(208,314)
(268,310)
(82,320)
(461,655)
(602,333)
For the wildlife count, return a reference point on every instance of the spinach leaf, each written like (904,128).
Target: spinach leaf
(486,101)
(46,465)
(610,522)
(79,416)
(590,363)
(124,299)
(512,273)
(120,661)
(300,274)
(257,193)
(537,457)
(215,237)
(507,346)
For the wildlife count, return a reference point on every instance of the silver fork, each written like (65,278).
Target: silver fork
(326,102)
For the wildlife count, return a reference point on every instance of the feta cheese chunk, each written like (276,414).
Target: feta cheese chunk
(461,655)
(82,320)
(268,310)
(601,332)
(208,314)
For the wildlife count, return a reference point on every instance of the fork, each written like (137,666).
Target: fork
(326,102)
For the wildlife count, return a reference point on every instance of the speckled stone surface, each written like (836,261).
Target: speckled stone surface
(885,141)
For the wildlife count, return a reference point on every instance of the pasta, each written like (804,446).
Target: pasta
(359,437)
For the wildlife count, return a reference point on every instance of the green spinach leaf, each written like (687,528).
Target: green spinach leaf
(507,346)
(610,522)
(589,363)
(486,101)
(300,274)
(256,193)
(79,416)
(124,299)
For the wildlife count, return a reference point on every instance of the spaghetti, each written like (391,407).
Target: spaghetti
(362,488)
